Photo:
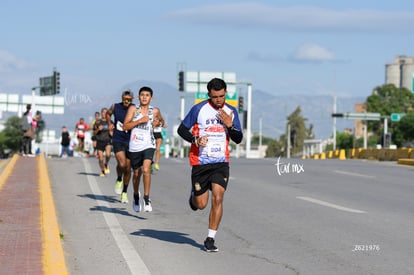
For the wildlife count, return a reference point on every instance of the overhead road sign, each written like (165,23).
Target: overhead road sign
(358,116)
(197,81)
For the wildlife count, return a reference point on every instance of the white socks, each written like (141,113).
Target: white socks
(212,233)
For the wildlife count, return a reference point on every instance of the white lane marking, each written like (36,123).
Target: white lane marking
(353,174)
(135,263)
(324,203)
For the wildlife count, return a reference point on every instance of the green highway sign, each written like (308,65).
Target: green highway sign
(396,116)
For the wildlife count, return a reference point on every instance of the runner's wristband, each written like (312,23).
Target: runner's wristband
(194,141)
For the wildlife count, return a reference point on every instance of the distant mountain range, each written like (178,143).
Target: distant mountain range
(271,110)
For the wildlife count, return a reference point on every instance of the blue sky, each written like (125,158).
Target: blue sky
(282,47)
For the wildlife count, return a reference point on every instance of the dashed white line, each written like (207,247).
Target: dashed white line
(353,174)
(328,204)
(135,263)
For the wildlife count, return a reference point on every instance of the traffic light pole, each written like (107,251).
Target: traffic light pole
(249,118)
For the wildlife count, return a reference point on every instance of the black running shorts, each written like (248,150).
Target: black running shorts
(202,176)
(101,145)
(157,135)
(119,147)
(137,158)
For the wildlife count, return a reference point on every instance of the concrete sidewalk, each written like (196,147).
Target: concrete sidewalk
(29,234)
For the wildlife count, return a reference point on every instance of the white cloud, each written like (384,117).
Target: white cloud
(310,52)
(9,62)
(297,18)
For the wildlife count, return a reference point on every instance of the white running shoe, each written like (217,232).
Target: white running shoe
(147,207)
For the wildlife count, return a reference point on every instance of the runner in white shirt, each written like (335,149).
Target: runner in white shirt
(140,119)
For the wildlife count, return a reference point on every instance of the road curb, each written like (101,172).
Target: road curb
(53,256)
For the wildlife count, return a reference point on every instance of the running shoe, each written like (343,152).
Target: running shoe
(107,171)
(102,174)
(156,167)
(190,202)
(136,206)
(124,197)
(118,187)
(209,245)
(147,206)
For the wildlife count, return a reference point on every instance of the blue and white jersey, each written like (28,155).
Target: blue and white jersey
(204,120)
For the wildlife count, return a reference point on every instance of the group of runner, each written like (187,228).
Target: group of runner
(209,126)
(128,130)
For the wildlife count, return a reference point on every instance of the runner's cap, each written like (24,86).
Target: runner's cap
(128,93)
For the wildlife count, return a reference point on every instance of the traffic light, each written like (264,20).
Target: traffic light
(241,104)
(56,82)
(181,81)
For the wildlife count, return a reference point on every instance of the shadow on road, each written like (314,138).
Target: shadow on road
(168,236)
(89,174)
(110,199)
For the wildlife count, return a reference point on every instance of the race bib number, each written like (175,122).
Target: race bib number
(215,149)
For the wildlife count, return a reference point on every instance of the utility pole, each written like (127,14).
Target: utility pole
(288,142)
(249,118)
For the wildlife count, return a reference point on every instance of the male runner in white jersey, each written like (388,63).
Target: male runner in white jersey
(213,123)
(140,120)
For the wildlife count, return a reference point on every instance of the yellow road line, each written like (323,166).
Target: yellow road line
(53,256)
(6,172)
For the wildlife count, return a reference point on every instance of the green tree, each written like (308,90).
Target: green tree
(298,134)
(403,131)
(388,99)
(344,140)
(11,136)
(298,130)
(274,149)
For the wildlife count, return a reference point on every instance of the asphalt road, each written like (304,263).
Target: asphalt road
(280,217)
